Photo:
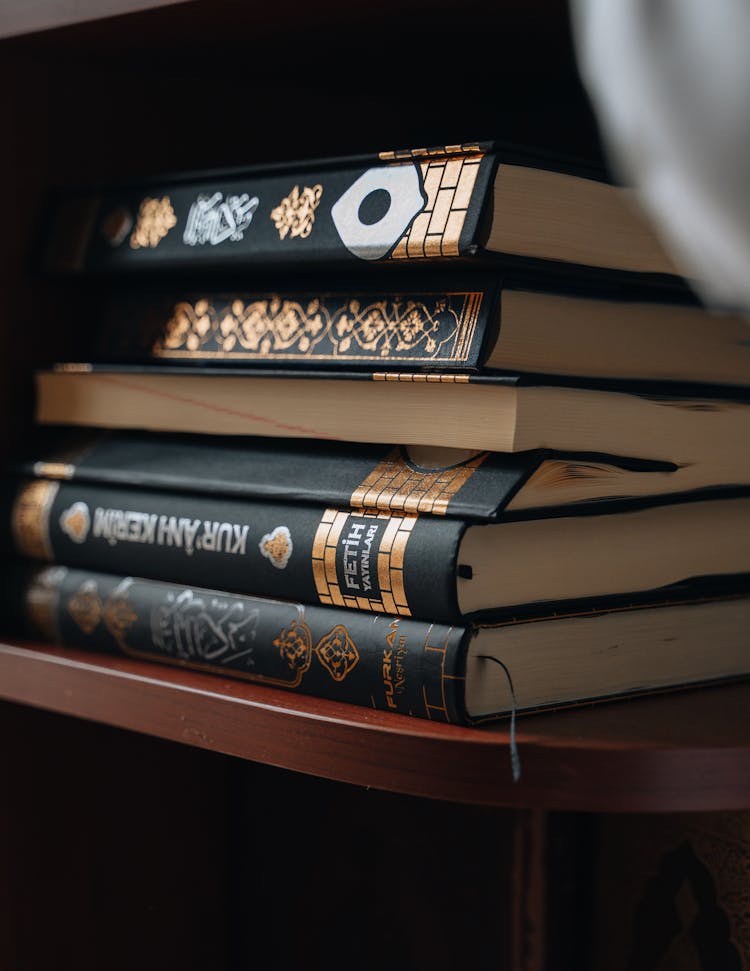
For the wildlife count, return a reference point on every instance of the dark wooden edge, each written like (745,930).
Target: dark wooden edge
(582,760)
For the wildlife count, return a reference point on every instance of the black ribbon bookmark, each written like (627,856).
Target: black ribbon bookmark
(515,758)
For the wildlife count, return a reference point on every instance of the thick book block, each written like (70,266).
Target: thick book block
(702,429)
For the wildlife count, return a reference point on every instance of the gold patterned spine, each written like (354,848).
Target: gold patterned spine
(42,602)
(449,185)
(327,327)
(411,153)
(390,563)
(394,485)
(30,519)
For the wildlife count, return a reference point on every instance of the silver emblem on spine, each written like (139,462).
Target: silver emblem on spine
(372,242)
(214,219)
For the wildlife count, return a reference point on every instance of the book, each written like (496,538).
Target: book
(461,483)
(452,202)
(506,413)
(431,567)
(419,668)
(500,322)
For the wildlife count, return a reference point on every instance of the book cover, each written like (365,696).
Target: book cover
(383,562)
(345,211)
(389,478)
(400,563)
(396,207)
(409,321)
(359,325)
(391,663)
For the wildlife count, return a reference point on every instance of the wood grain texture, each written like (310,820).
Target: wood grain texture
(685,751)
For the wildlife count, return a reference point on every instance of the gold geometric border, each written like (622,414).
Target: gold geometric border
(400,154)
(396,486)
(406,378)
(30,519)
(448,184)
(287,330)
(433,695)
(390,563)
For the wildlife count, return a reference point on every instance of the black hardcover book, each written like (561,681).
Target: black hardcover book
(428,566)
(480,322)
(458,674)
(452,202)
(460,483)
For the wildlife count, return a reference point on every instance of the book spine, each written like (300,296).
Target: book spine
(470,486)
(389,663)
(398,208)
(379,562)
(433,329)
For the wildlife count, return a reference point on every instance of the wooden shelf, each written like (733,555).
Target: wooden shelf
(687,751)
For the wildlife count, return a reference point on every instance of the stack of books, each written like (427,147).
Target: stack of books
(440,432)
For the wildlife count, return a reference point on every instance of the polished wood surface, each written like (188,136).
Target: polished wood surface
(686,751)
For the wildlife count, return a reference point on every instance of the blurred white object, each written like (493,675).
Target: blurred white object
(669,81)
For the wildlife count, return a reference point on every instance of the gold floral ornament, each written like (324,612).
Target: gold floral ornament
(155,218)
(75,522)
(337,652)
(188,329)
(273,326)
(277,547)
(295,646)
(294,216)
(389,328)
(85,607)
(119,615)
